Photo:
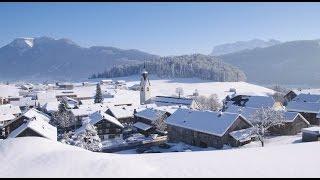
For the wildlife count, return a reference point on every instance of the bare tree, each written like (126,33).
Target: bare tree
(208,103)
(179,91)
(196,93)
(88,139)
(264,119)
(160,123)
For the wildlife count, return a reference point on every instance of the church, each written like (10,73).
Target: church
(145,87)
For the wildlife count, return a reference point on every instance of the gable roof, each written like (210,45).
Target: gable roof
(51,106)
(142,126)
(150,114)
(25,101)
(291,117)
(254,101)
(40,126)
(9,109)
(167,100)
(97,117)
(120,113)
(35,114)
(307,98)
(247,112)
(6,117)
(243,134)
(308,107)
(209,122)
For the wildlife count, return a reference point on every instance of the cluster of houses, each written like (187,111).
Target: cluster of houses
(30,114)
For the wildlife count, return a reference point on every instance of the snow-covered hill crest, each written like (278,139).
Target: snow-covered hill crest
(37,157)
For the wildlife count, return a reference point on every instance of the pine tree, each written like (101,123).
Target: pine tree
(98,97)
(63,118)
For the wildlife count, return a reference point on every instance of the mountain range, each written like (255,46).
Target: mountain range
(289,63)
(60,59)
(242,46)
(264,62)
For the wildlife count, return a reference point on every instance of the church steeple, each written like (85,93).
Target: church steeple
(145,86)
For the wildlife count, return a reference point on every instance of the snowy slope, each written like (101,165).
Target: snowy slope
(38,157)
(167,87)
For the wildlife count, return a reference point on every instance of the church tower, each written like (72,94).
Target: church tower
(145,87)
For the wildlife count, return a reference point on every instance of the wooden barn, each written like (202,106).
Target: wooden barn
(146,119)
(309,110)
(294,123)
(107,126)
(31,123)
(311,134)
(125,116)
(204,128)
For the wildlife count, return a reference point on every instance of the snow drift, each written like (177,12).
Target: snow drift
(38,157)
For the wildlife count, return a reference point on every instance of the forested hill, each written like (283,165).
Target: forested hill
(186,66)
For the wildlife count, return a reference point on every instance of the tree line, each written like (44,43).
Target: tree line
(186,66)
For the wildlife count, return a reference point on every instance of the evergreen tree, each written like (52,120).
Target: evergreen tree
(63,118)
(98,97)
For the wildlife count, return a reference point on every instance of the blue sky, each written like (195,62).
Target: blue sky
(160,28)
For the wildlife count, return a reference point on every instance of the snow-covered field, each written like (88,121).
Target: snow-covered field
(38,157)
(161,87)
(167,87)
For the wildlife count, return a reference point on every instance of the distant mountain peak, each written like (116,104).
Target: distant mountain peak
(22,42)
(242,45)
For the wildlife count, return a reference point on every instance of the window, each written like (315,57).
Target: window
(112,136)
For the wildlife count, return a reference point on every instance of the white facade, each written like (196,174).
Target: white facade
(145,88)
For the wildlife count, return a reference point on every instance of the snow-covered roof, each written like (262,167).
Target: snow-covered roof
(120,112)
(209,122)
(40,126)
(247,112)
(243,134)
(25,101)
(313,130)
(167,100)
(306,91)
(9,109)
(106,80)
(307,98)
(142,126)
(260,101)
(82,111)
(87,109)
(120,81)
(97,117)
(308,107)
(150,114)
(6,117)
(34,113)
(291,116)
(51,106)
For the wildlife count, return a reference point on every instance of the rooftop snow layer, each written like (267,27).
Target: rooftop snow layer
(150,114)
(209,122)
(307,98)
(303,107)
(40,126)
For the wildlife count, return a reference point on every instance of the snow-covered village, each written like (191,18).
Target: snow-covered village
(247,109)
